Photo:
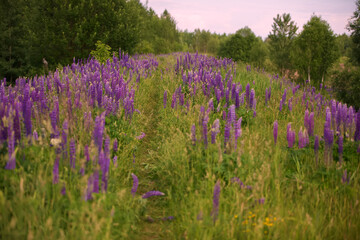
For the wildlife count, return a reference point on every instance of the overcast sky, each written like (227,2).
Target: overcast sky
(227,16)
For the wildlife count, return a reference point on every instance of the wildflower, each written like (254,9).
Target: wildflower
(252,98)
(27,117)
(89,188)
(35,135)
(216,197)
(227,132)
(205,132)
(215,130)
(11,163)
(63,190)
(56,170)
(275,131)
(141,136)
(152,193)
(72,153)
(135,184)
(345,178)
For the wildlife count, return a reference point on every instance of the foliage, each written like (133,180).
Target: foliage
(102,52)
(315,50)
(346,84)
(239,45)
(281,40)
(354,26)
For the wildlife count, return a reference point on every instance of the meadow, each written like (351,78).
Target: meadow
(177,146)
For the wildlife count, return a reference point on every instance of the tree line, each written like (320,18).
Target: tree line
(56,31)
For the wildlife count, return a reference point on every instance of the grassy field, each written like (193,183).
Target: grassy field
(81,148)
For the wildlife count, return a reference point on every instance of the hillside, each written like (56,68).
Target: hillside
(178,146)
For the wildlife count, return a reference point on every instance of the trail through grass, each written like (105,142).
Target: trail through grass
(151,224)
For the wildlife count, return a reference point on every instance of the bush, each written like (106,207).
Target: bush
(102,52)
(346,84)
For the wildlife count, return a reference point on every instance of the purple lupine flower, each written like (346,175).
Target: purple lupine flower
(152,193)
(216,198)
(193,134)
(205,132)
(86,153)
(345,179)
(252,98)
(11,163)
(170,218)
(63,190)
(238,181)
(281,105)
(269,93)
(211,105)
(53,119)
(302,140)
(115,145)
(311,124)
(56,170)
(283,99)
(16,125)
(215,130)
(35,135)
(89,189)
(141,136)
(316,144)
(135,184)
(72,153)
(261,201)
(27,117)
(290,136)
(237,99)
(165,98)
(238,128)
(275,131)
(96,182)
(290,104)
(232,113)
(107,146)
(227,132)
(266,96)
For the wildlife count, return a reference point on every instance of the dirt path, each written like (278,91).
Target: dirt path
(152,225)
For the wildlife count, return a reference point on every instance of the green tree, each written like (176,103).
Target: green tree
(315,50)
(354,27)
(281,40)
(13,32)
(238,46)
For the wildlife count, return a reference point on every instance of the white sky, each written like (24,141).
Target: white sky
(227,16)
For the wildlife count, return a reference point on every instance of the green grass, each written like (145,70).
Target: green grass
(302,200)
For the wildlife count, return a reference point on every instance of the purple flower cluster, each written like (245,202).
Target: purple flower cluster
(275,131)
(290,136)
(216,199)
